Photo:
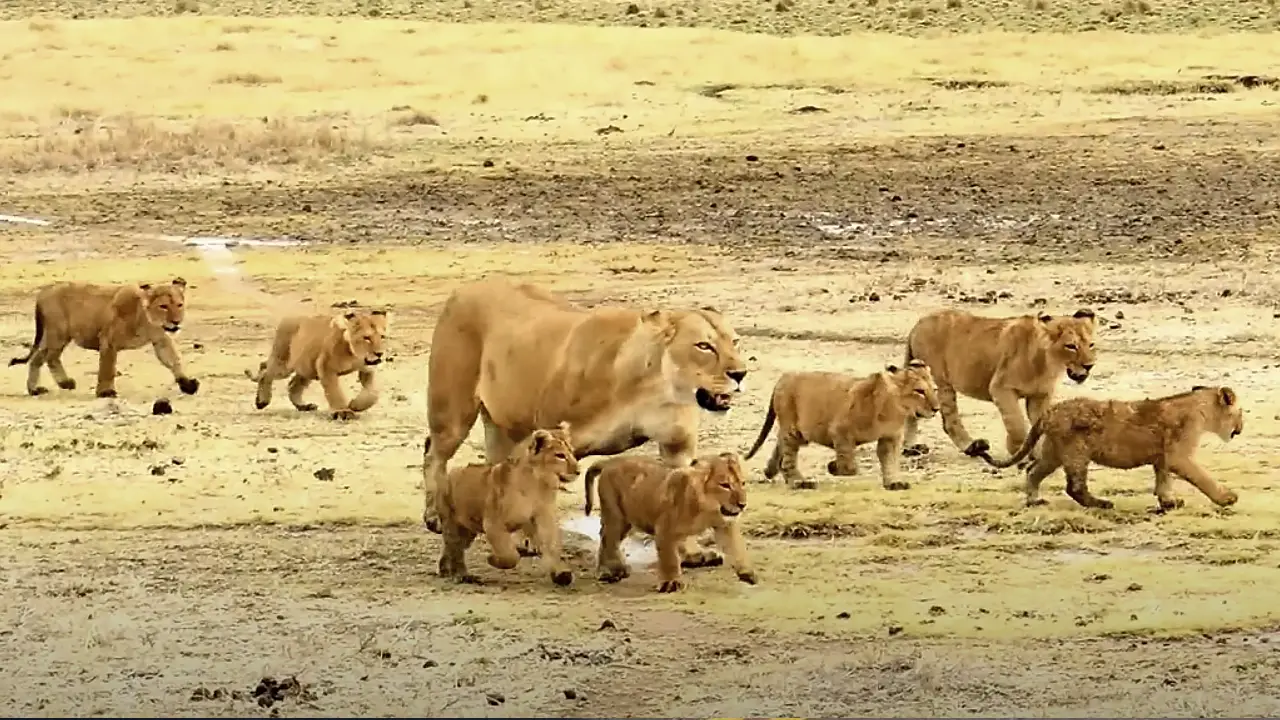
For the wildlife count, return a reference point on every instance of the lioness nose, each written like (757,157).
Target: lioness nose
(378,354)
(1087,368)
(737,375)
(742,505)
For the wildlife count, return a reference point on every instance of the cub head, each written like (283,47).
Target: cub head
(916,390)
(700,356)
(720,484)
(1223,415)
(166,303)
(1071,342)
(551,450)
(362,331)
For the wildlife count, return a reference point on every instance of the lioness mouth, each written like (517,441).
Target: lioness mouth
(729,512)
(374,361)
(1078,377)
(171,328)
(1235,433)
(719,402)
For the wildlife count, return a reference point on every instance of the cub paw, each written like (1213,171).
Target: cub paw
(897,485)
(670,586)
(1171,503)
(702,559)
(613,575)
(106,393)
(344,414)
(68,384)
(562,577)
(305,407)
(188,386)
(260,404)
(431,523)
(38,391)
(468,579)
(1229,499)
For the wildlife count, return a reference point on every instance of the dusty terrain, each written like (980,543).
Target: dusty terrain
(169,565)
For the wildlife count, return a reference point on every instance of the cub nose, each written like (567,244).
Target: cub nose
(737,375)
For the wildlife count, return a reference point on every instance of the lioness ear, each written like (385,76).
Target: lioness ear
(891,368)
(349,315)
(1084,314)
(693,462)
(1227,397)
(145,286)
(1045,318)
(179,282)
(379,311)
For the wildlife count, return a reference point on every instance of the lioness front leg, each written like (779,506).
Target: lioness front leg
(693,555)
(730,539)
(333,395)
(1015,425)
(297,386)
(788,462)
(547,532)
(1165,496)
(1188,470)
(502,544)
(106,371)
(845,463)
(669,579)
(167,353)
(889,452)
(368,392)
(951,423)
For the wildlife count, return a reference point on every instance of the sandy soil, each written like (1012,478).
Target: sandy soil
(167,565)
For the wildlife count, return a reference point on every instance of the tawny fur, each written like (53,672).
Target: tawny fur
(841,412)
(1163,433)
(497,500)
(519,357)
(674,505)
(1001,361)
(108,319)
(324,348)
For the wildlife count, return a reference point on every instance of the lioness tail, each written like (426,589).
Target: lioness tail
(769,417)
(35,344)
(979,448)
(592,473)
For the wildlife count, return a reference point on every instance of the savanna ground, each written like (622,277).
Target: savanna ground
(822,191)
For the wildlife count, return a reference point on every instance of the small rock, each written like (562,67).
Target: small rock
(177,461)
(608,625)
(1133,587)
(487,163)
(161,407)
(842,615)
(1119,314)
(752,158)
(633,9)
(273,450)
(874,297)
(495,698)
(157,470)
(428,664)
(324,474)
(570,694)
(936,610)
(894,630)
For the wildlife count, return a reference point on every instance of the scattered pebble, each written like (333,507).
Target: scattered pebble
(161,407)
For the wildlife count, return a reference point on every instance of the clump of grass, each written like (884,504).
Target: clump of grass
(181,7)
(42,26)
(1165,87)
(224,47)
(141,144)
(408,117)
(247,78)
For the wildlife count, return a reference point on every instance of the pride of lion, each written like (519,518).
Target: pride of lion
(553,383)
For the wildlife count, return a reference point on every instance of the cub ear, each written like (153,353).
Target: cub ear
(891,368)
(145,286)
(349,315)
(379,311)
(693,462)
(1198,387)
(540,440)
(1044,318)
(179,282)
(1227,397)
(1084,314)
(564,426)
(657,317)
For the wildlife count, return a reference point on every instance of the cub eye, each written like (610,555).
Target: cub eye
(1072,347)
(561,456)
(920,391)
(705,347)
(726,485)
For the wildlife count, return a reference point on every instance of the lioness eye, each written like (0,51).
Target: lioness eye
(919,391)
(705,347)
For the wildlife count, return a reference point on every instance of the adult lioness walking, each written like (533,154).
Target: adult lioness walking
(108,319)
(1001,361)
(520,358)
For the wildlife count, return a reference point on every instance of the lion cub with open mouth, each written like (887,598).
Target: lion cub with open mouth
(674,505)
(499,500)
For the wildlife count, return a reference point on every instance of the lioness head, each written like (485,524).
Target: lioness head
(363,331)
(1071,342)
(551,450)
(916,389)
(720,483)
(701,361)
(166,303)
(1224,416)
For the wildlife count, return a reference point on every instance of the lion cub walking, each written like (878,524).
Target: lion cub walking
(106,318)
(674,505)
(517,494)
(1163,433)
(324,348)
(841,412)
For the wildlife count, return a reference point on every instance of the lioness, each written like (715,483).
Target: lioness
(841,412)
(106,318)
(1162,433)
(519,357)
(324,348)
(674,505)
(999,360)
(496,500)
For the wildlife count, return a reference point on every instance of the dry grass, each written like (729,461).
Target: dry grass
(339,89)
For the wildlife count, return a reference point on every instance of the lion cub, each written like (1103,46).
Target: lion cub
(1162,433)
(324,348)
(841,412)
(108,319)
(674,505)
(516,494)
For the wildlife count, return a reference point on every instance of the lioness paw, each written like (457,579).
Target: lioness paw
(68,384)
(38,391)
(188,386)
(1229,498)
(468,579)
(106,393)
(670,586)
(897,485)
(260,404)
(917,450)
(344,414)
(748,577)
(562,577)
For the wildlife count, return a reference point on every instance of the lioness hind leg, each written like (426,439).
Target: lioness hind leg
(297,386)
(693,555)
(59,373)
(1078,487)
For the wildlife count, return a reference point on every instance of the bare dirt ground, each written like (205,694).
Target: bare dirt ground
(169,565)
